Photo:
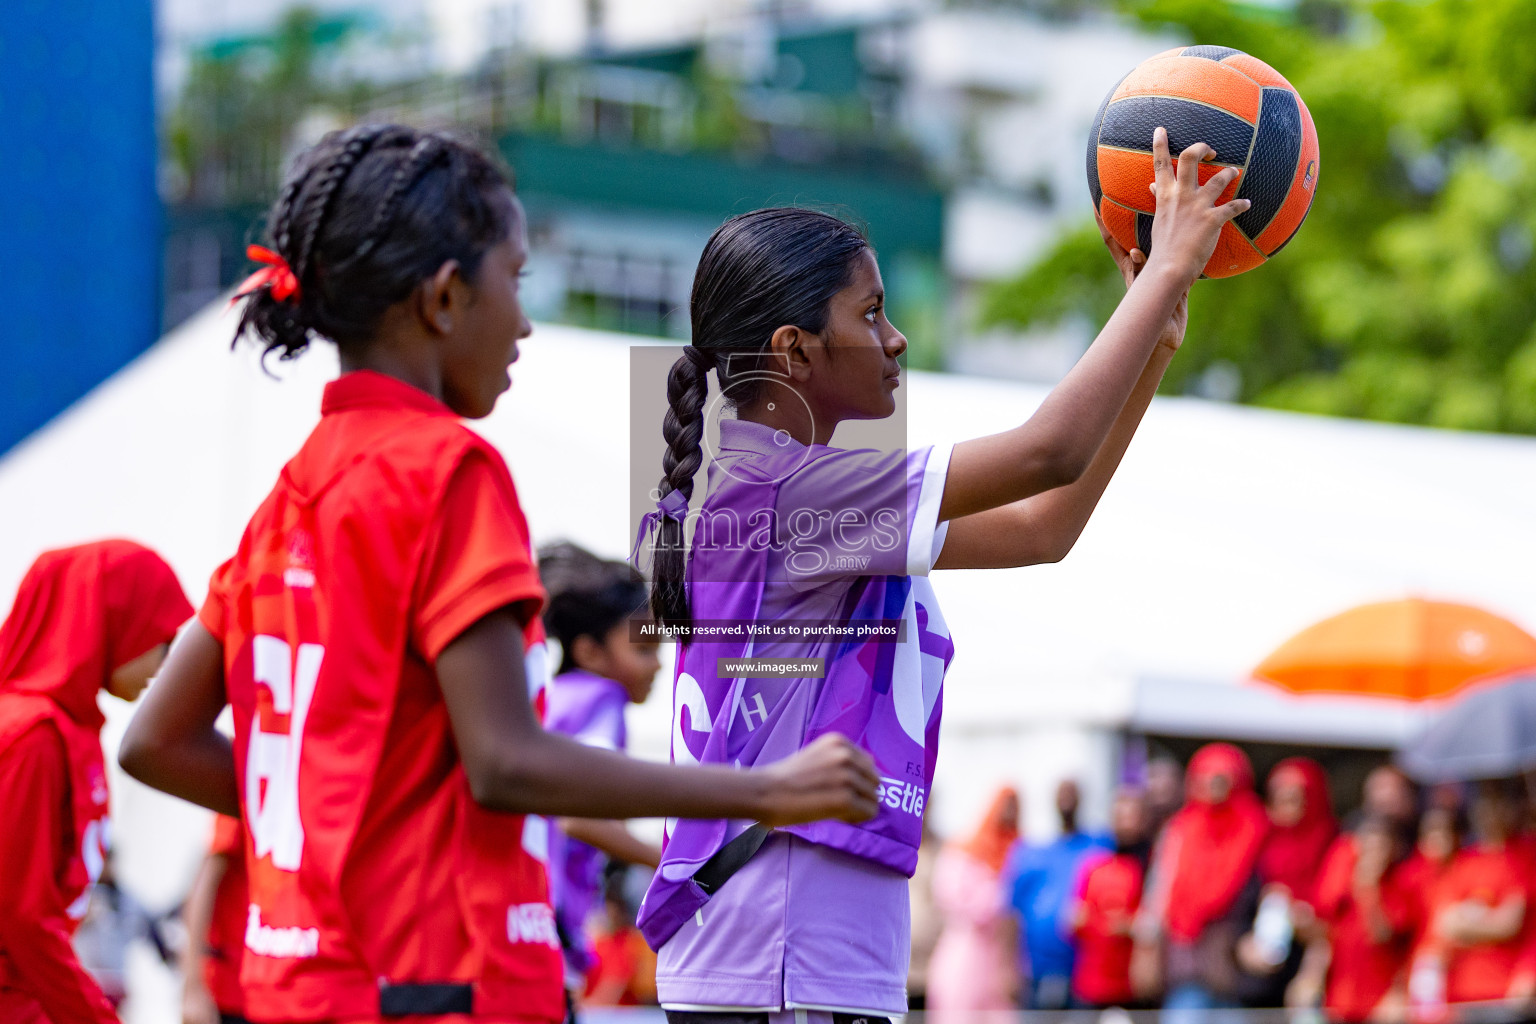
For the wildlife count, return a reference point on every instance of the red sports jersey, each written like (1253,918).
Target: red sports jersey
(79,613)
(1110,897)
(1363,969)
(377,885)
(1487,877)
(226,932)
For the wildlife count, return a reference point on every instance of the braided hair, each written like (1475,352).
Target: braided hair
(364,216)
(759,271)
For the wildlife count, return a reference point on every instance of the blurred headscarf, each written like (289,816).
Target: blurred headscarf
(1216,843)
(1293,854)
(996,834)
(80,614)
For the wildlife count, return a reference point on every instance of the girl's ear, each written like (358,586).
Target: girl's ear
(437,297)
(589,655)
(788,345)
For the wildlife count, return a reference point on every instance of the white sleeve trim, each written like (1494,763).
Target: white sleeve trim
(925,534)
(596,739)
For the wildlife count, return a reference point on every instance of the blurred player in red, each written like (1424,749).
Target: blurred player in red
(1368,908)
(1475,915)
(1109,896)
(214,916)
(377,634)
(623,971)
(86,619)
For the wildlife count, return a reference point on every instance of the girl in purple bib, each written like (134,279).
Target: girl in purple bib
(602,671)
(798,585)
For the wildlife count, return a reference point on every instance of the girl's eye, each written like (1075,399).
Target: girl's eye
(872,315)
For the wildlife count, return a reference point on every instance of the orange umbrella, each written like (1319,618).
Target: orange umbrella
(1411,650)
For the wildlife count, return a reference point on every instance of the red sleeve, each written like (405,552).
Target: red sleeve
(34,929)
(477,560)
(214,612)
(1336,881)
(1400,905)
(1088,920)
(228,837)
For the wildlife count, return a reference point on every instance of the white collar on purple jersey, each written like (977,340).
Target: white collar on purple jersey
(755,438)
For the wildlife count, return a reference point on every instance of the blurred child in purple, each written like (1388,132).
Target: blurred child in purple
(602,671)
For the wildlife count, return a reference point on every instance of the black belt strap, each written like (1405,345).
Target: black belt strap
(730,858)
(415,1000)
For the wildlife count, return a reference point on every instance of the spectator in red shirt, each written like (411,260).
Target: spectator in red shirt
(1390,794)
(1209,854)
(1365,904)
(624,968)
(1109,895)
(1523,987)
(1302,827)
(1477,908)
(1442,831)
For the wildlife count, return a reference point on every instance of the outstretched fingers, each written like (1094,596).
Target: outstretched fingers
(1162,163)
(1227,211)
(1189,164)
(1212,189)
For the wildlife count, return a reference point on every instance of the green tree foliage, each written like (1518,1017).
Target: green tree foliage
(242,100)
(1410,293)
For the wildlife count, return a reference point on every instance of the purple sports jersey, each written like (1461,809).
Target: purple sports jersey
(590,709)
(794,533)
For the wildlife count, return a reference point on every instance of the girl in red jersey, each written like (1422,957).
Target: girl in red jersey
(1367,906)
(1108,898)
(86,619)
(1476,911)
(371,632)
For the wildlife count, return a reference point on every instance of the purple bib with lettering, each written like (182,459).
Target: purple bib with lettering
(885,696)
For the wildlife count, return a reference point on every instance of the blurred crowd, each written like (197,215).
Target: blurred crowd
(1206,895)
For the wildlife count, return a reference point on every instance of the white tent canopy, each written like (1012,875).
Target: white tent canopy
(1227,530)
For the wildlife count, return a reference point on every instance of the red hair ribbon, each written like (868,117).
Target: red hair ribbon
(277,275)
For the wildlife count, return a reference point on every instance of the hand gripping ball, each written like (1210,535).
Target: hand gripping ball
(1240,107)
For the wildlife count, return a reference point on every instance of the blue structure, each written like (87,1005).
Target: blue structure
(79,211)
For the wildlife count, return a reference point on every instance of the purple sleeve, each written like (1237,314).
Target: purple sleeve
(863,513)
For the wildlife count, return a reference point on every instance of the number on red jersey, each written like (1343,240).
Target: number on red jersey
(272,756)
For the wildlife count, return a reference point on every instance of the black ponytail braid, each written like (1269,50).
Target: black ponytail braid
(683,429)
(365,216)
(759,271)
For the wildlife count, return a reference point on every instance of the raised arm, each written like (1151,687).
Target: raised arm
(514,765)
(1057,446)
(1045,527)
